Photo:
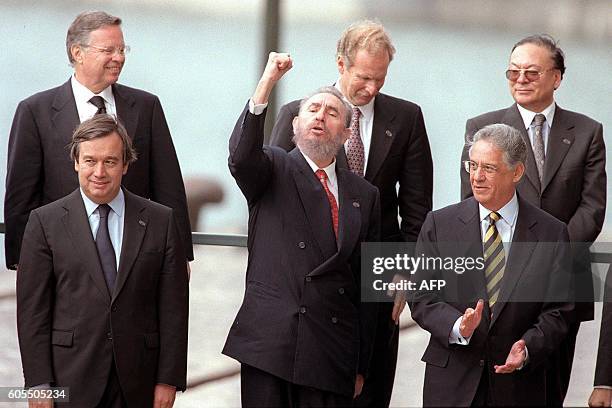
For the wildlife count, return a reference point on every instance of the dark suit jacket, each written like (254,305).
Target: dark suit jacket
(70,327)
(301,318)
(399,153)
(574,185)
(603,370)
(40,170)
(457,369)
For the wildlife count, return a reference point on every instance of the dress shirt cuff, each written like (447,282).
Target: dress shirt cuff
(455,336)
(603,387)
(526,359)
(256,109)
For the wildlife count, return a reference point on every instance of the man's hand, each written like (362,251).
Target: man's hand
(399,301)
(600,397)
(358,385)
(40,403)
(164,396)
(515,360)
(278,64)
(471,320)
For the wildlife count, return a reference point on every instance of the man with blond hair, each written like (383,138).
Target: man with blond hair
(388,146)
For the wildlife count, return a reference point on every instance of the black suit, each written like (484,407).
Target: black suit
(453,372)
(71,329)
(301,319)
(40,170)
(574,191)
(399,154)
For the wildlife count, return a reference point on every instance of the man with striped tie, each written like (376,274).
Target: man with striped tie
(493,328)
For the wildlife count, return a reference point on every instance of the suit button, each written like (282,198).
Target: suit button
(109,335)
(481,363)
(303,309)
(341,291)
(355,204)
(334,320)
(301,244)
(308,279)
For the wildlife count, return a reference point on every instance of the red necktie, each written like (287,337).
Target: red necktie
(330,197)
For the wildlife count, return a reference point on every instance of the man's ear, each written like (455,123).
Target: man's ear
(76,165)
(519,170)
(295,124)
(340,63)
(77,53)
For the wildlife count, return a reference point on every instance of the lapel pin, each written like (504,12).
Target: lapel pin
(355,204)
(566,141)
(388,133)
(141,222)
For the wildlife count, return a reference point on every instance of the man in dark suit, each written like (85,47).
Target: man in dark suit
(106,318)
(602,392)
(493,354)
(39,170)
(302,334)
(390,138)
(565,175)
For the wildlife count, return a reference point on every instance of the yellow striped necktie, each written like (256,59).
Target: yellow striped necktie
(495,260)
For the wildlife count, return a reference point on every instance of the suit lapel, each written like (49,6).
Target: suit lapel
(65,116)
(468,233)
(560,140)
(517,259)
(125,109)
(77,225)
(514,119)
(316,206)
(134,228)
(382,136)
(349,223)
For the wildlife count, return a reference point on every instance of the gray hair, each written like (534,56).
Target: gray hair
(348,111)
(83,25)
(505,138)
(366,35)
(101,125)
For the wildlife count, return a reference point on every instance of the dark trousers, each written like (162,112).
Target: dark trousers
(378,387)
(560,367)
(261,389)
(112,396)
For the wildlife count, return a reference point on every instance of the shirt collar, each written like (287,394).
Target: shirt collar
(117,204)
(82,94)
(528,115)
(508,212)
(367,110)
(329,170)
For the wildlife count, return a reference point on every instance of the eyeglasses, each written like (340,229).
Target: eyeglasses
(110,51)
(530,74)
(471,167)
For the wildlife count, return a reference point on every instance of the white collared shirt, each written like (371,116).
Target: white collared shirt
(82,95)
(527,116)
(116,219)
(332,179)
(366,124)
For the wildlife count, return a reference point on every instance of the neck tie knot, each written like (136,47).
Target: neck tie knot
(98,102)
(494,217)
(539,119)
(103,210)
(356,113)
(321,174)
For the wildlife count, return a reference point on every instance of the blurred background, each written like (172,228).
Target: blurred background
(203,59)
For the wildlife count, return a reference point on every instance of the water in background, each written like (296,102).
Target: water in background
(204,69)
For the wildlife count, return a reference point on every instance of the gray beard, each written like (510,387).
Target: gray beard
(318,151)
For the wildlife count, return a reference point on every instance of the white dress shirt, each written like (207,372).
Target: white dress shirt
(527,116)
(82,95)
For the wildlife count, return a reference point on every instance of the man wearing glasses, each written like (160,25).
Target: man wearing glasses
(565,170)
(39,168)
